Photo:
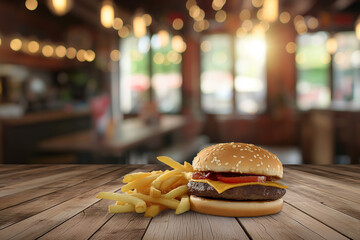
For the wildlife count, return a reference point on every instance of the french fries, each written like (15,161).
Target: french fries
(121,208)
(152,192)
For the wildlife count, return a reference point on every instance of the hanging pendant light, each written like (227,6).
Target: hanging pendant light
(270,10)
(107,13)
(60,7)
(139,26)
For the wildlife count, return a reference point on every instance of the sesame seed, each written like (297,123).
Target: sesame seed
(242,157)
(261,163)
(267,169)
(226,163)
(250,160)
(214,154)
(234,146)
(234,156)
(268,165)
(258,165)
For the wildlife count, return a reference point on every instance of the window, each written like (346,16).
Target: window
(346,68)
(134,73)
(250,70)
(217,85)
(313,71)
(216,74)
(166,75)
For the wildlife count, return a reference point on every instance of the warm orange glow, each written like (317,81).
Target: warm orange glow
(33,46)
(31,4)
(117,23)
(178,23)
(257,3)
(115,55)
(71,53)
(244,14)
(357,28)
(194,11)
(164,37)
(331,45)
(241,32)
(205,46)
(177,43)
(107,13)
(190,3)
(124,32)
(60,51)
(16,44)
(80,56)
(285,17)
(139,26)
(218,4)
(47,51)
(291,47)
(220,16)
(90,55)
(60,7)
(148,19)
(247,25)
(313,23)
(271,10)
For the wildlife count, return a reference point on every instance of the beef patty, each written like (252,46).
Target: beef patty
(249,192)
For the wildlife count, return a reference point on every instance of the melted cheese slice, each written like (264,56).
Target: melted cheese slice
(221,187)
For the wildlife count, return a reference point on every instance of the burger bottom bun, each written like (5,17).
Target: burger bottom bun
(235,208)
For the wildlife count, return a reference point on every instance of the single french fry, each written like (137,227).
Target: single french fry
(156,193)
(140,205)
(187,175)
(154,210)
(165,185)
(140,183)
(171,163)
(177,192)
(188,166)
(138,175)
(170,203)
(167,174)
(120,203)
(184,205)
(121,208)
(135,176)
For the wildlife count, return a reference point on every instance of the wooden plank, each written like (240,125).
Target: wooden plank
(39,224)
(340,204)
(18,213)
(6,168)
(290,223)
(323,184)
(338,170)
(20,197)
(330,173)
(191,225)
(94,217)
(20,177)
(37,182)
(339,221)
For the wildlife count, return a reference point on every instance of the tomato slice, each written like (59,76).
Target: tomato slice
(241,179)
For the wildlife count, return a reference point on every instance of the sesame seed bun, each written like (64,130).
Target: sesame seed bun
(235,208)
(238,157)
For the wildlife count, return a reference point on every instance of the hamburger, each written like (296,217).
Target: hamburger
(236,180)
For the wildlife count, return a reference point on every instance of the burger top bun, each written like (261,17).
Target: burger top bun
(240,158)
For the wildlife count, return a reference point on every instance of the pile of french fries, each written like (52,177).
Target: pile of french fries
(152,192)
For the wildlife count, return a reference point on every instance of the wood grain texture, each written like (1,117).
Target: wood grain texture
(193,225)
(58,202)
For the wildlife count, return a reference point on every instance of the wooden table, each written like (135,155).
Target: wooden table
(129,133)
(58,202)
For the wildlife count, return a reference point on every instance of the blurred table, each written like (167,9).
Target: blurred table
(58,202)
(129,134)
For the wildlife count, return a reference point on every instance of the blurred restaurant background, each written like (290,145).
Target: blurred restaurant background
(115,81)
